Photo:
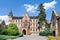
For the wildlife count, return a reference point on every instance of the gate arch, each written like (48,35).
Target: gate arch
(24,31)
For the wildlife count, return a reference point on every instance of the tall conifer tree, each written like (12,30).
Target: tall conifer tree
(41,16)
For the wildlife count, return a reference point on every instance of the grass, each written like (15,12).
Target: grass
(53,38)
(7,37)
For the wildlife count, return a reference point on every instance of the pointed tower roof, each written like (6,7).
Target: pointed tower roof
(10,13)
(55,12)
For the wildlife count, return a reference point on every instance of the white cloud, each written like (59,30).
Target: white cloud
(5,18)
(50,5)
(31,8)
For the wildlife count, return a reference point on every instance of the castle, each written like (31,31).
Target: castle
(29,24)
(26,24)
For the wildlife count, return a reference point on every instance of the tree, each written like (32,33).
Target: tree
(12,29)
(41,16)
(47,31)
(1,30)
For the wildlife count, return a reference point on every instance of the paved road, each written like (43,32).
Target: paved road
(32,37)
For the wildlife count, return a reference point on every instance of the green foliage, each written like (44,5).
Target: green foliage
(1,30)
(4,32)
(41,16)
(12,29)
(3,37)
(46,32)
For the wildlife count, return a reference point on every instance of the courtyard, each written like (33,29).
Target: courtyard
(32,37)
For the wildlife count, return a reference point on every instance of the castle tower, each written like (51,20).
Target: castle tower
(10,16)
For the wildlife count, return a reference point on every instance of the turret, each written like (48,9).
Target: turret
(10,13)
(10,16)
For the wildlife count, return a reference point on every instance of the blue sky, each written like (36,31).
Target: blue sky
(19,7)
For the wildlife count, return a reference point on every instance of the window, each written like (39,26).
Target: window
(25,23)
(33,24)
(16,20)
(19,20)
(33,20)
(36,20)
(36,29)
(30,20)
(36,25)
(17,24)
(33,29)
(20,25)
(13,20)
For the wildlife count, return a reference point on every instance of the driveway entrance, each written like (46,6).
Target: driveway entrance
(32,37)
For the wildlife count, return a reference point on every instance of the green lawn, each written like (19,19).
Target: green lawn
(7,37)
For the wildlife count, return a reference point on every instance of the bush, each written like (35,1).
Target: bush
(12,29)
(1,30)
(2,37)
(4,32)
(46,32)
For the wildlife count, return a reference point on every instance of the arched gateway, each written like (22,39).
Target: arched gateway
(24,32)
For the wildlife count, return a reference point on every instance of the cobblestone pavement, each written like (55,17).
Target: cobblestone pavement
(32,37)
